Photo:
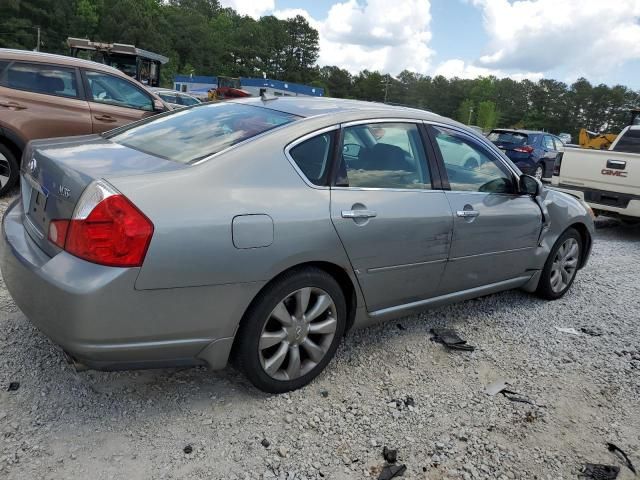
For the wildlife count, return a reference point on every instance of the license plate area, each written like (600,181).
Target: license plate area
(34,202)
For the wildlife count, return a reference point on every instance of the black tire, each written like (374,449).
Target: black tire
(247,354)
(9,170)
(545,289)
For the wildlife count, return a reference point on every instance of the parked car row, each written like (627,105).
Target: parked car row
(44,95)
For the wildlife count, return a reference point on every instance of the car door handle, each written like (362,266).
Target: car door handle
(12,105)
(616,164)
(105,118)
(358,214)
(467,213)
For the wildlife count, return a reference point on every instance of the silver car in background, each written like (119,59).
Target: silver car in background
(263,230)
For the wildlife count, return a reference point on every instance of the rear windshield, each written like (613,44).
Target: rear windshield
(629,142)
(513,138)
(192,134)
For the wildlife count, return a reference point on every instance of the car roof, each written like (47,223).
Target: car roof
(521,130)
(27,55)
(316,106)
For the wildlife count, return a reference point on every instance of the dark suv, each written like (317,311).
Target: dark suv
(44,95)
(533,152)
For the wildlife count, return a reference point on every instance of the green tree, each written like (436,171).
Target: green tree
(465,112)
(487,115)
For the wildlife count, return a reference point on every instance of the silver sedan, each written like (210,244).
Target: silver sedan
(263,230)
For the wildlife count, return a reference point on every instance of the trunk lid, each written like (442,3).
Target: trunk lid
(55,172)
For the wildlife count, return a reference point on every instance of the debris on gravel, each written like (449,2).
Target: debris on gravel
(137,424)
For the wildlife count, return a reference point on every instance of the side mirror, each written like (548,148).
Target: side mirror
(158,106)
(351,149)
(530,185)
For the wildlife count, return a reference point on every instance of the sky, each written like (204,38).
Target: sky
(560,39)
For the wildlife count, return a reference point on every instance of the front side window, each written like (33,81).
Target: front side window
(188,135)
(313,157)
(469,167)
(383,155)
(548,143)
(559,144)
(105,88)
(45,79)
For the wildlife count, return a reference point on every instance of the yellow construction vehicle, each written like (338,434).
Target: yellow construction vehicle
(596,141)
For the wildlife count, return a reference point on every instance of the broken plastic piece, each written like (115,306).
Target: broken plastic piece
(592,331)
(188,449)
(616,449)
(496,387)
(450,338)
(598,471)
(13,386)
(392,471)
(571,330)
(390,455)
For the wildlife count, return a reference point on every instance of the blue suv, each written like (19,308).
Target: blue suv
(533,152)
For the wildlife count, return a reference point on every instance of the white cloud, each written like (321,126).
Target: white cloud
(579,37)
(461,69)
(374,35)
(253,8)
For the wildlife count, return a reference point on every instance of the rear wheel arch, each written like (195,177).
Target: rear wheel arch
(335,271)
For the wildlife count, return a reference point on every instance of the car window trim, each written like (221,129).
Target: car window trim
(488,151)
(354,123)
(79,86)
(89,94)
(304,138)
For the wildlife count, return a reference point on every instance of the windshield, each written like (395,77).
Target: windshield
(514,138)
(191,134)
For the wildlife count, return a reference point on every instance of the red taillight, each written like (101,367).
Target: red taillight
(524,149)
(106,228)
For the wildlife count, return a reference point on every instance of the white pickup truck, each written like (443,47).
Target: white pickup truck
(608,180)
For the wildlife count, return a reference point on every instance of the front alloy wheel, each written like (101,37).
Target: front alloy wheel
(565,265)
(561,266)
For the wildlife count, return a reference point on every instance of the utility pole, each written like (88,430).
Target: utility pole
(38,44)
(470,113)
(386,89)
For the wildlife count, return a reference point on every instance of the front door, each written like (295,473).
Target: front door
(395,228)
(115,101)
(495,229)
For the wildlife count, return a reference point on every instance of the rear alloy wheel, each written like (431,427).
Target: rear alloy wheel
(292,331)
(539,172)
(561,267)
(8,169)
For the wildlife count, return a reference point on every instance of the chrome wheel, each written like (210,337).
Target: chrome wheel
(564,265)
(5,170)
(539,172)
(298,333)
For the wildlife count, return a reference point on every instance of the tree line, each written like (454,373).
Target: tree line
(202,38)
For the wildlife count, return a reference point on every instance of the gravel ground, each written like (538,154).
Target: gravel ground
(389,385)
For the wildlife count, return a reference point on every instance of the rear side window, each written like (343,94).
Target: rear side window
(187,100)
(105,88)
(189,135)
(383,155)
(168,97)
(629,142)
(3,65)
(512,138)
(313,157)
(38,78)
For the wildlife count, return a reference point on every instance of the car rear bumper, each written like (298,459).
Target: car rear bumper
(97,316)
(607,202)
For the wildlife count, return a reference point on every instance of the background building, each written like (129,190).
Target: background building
(195,84)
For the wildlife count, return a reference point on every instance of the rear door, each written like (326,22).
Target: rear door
(495,229)
(41,101)
(393,222)
(115,101)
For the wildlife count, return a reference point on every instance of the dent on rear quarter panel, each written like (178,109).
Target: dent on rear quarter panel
(193,210)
